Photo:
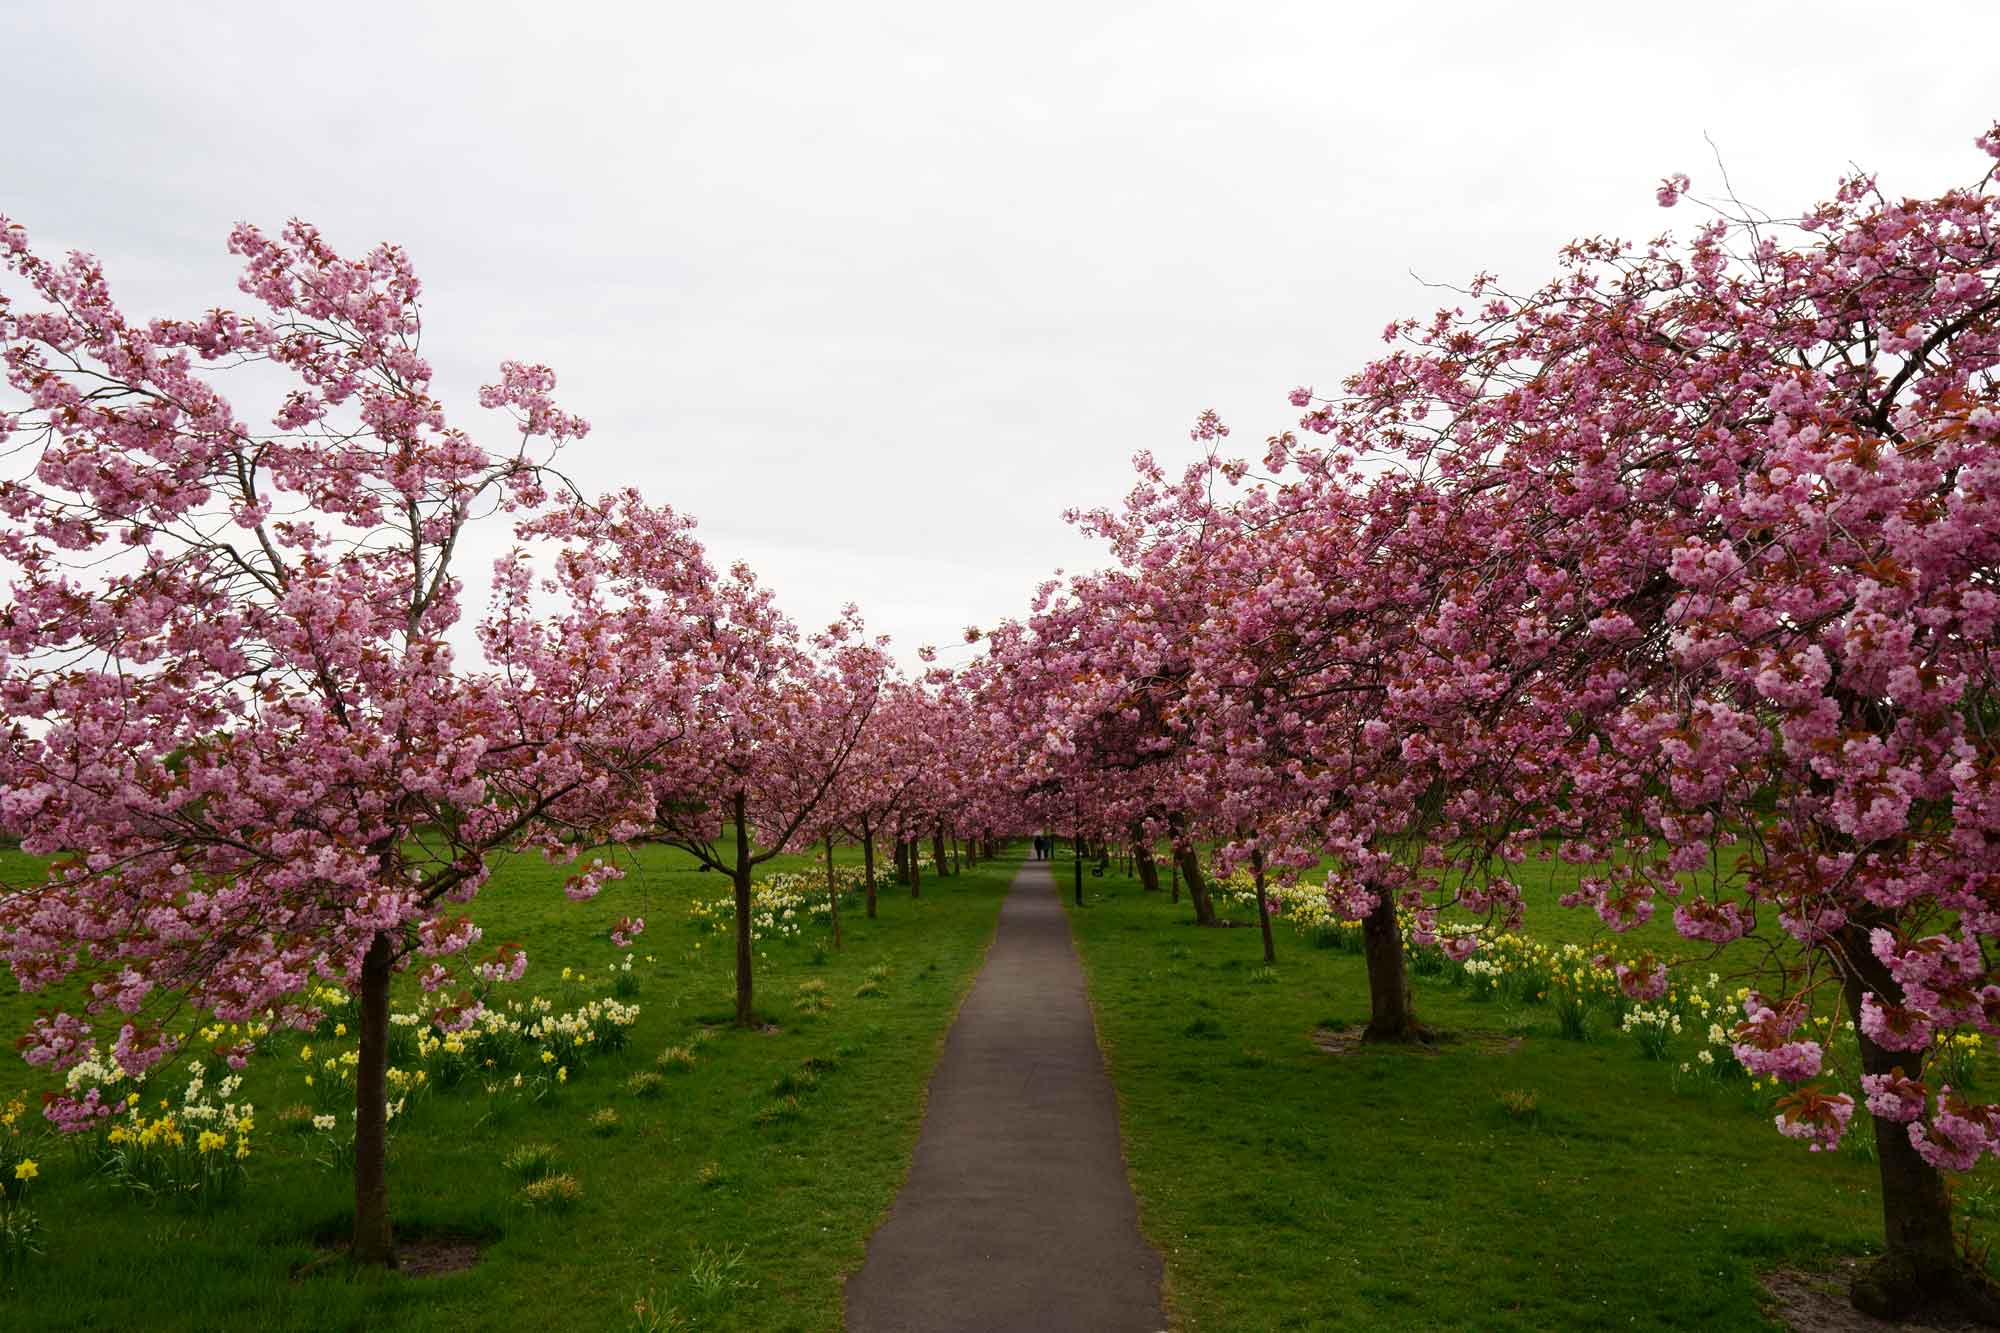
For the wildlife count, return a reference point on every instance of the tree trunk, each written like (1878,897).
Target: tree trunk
(1392,1015)
(1190,868)
(916,867)
(1149,873)
(832,892)
(741,877)
(957,867)
(868,865)
(374,1241)
(1920,1269)
(1197,886)
(1263,907)
(1077,843)
(1174,870)
(937,846)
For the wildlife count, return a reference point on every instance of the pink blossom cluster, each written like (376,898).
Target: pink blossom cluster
(1640,981)
(77,1115)
(1957,1133)
(1894,1096)
(1815,1119)
(1762,1043)
(509,963)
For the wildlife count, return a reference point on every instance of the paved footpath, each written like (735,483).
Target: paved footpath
(1017,1213)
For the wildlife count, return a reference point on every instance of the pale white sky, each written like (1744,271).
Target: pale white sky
(876,291)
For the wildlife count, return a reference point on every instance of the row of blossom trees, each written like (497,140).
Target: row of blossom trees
(233,710)
(1681,568)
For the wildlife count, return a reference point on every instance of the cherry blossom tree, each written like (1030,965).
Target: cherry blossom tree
(890,785)
(772,730)
(1737,625)
(1086,697)
(233,712)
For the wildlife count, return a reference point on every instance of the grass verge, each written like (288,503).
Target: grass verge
(733,1185)
(1510,1179)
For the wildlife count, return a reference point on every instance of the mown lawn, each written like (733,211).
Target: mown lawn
(715,1200)
(1291,1188)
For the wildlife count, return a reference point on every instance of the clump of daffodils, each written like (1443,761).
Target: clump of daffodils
(195,1148)
(1653,1029)
(782,904)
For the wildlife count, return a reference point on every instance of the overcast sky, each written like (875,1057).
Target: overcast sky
(876,291)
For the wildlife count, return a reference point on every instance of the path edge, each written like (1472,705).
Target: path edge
(1169,1306)
(924,1097)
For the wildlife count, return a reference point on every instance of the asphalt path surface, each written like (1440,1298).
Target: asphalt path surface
(1017,1213)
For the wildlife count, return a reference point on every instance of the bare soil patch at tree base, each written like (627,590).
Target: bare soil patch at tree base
(439,1254)
(761,1024)
(1817,1302)
(1348,1041)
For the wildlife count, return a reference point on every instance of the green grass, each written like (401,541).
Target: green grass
(733,1192)
(1557,1184)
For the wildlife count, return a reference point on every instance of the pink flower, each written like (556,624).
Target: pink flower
(1892,1096)
(590,882)
(1791,1061)
(1895,1027)
(1671,189)
(1951,1140)
(59,1041)
(1761,1044)
(1641,980)
(71,1115)
(1718,923)
(1815,1118)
